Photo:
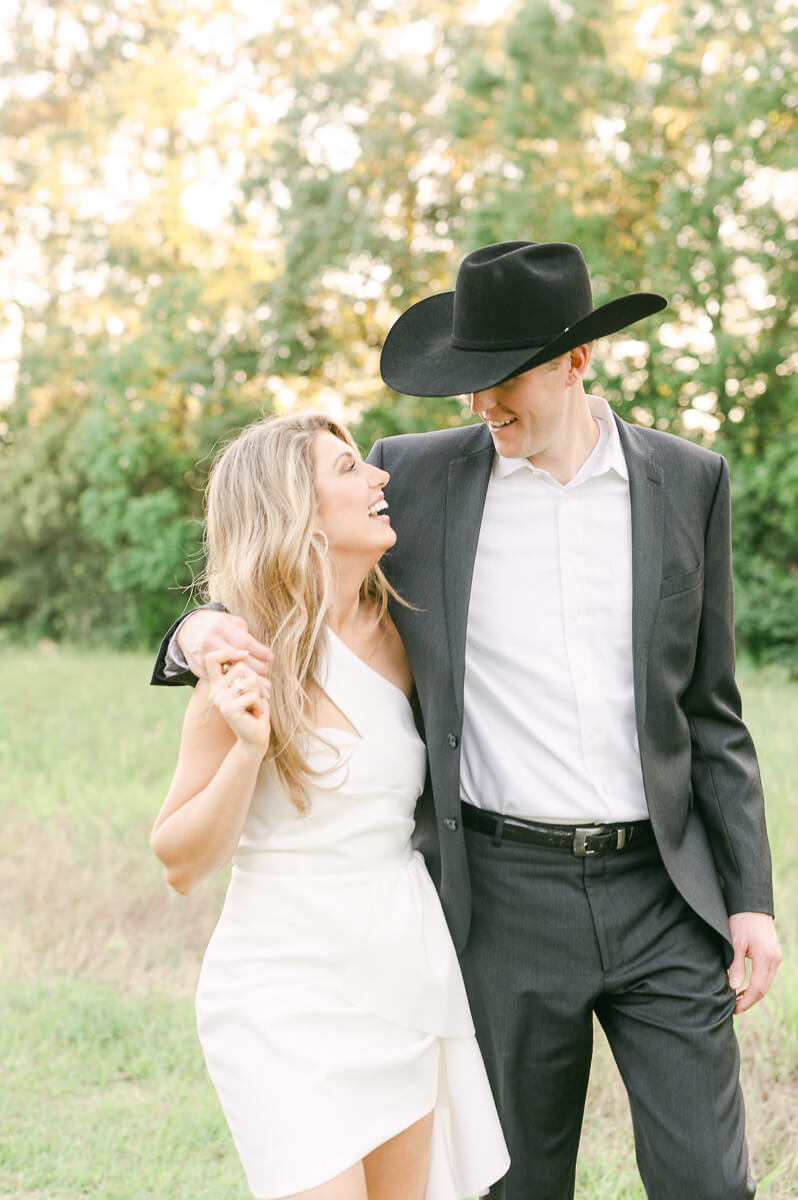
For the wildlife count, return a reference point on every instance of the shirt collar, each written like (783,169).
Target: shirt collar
(606,455)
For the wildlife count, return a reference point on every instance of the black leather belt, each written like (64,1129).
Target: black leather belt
(581,840)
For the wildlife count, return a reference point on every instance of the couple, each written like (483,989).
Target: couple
(594,823)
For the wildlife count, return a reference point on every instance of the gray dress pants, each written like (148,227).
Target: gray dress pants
(554,939)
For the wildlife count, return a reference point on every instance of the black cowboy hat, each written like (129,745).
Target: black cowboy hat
(515,305)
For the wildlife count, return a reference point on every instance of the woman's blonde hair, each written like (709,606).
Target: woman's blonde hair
(264,563)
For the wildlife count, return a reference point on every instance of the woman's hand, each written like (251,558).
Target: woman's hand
(242,697)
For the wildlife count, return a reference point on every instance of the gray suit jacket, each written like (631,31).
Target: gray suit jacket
(699,766)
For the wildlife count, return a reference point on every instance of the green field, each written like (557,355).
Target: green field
(102,1084)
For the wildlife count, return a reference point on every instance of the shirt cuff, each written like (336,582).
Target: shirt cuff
(175,662)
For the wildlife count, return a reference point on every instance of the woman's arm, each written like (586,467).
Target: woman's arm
(225,737)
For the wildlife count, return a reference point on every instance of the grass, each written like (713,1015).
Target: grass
(103,1091)
(106,1096)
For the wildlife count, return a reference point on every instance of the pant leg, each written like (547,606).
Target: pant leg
(553,938)
(533,974)
(667,1012)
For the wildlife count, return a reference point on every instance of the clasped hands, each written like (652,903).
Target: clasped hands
(208,631)
(219,648)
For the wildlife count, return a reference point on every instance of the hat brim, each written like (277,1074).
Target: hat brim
(418,358)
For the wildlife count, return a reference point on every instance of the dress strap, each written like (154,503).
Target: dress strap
(356,689)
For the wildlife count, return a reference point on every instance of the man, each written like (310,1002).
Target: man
(595,823)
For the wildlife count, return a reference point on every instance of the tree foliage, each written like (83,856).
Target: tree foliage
(213,210)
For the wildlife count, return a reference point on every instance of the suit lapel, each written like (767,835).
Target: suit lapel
(466,487)
(647,497)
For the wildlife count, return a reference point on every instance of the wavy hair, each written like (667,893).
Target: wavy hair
(264,564)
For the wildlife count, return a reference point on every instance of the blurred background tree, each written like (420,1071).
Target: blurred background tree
(212,210)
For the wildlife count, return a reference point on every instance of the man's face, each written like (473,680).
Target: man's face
(530,415)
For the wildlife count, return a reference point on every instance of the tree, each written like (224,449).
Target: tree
(140,332)
(207,215)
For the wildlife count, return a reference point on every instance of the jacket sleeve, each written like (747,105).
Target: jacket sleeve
(726,784)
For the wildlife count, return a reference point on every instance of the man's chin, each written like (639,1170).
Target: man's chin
(506,447)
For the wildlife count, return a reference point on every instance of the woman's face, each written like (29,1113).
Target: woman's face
(352,509)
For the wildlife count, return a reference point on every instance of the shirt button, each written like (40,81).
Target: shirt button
(453,741)
(451,824)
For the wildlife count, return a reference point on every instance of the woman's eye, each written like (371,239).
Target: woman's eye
(352,465)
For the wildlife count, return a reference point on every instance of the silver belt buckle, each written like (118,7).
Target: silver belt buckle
(581,834)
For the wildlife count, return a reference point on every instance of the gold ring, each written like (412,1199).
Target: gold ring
(239,687)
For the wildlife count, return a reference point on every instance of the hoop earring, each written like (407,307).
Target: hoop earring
(320,533)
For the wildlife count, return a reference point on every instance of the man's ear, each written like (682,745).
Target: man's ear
(580,359)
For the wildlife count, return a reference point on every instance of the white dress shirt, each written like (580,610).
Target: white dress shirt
(549,729)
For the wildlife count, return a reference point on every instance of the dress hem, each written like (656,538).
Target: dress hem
(329,1174)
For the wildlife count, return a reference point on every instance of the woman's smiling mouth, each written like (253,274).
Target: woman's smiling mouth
(377,510)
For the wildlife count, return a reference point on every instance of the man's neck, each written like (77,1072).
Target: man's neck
(563,459)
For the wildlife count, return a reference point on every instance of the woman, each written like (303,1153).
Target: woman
(330,1005)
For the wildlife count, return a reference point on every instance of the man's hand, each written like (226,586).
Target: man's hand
(753,937)
(207,631)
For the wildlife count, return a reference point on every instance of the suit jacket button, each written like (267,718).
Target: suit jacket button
(450,823)
(453,741)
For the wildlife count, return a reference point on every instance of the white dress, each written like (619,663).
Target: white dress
(330,1005)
